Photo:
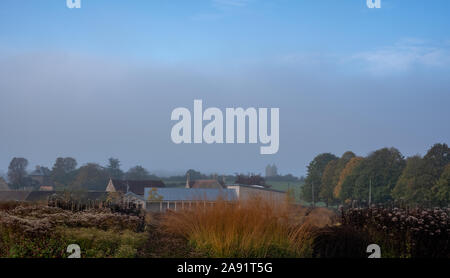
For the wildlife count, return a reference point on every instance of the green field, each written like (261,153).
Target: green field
(285,186)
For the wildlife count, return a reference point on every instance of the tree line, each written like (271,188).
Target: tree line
(92,176)
(383,176)
(65,174)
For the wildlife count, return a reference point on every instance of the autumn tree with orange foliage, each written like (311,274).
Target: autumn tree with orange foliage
(327,186)
(344,193)
(330,177)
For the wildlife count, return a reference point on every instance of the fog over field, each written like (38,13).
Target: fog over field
(92,109)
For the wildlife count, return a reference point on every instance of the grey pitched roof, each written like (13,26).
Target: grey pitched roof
(131,194)
(136,187)
(193,194)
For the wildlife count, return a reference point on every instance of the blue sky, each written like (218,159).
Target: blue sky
(345,77)
(212,30)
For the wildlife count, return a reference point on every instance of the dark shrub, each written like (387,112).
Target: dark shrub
(339,242)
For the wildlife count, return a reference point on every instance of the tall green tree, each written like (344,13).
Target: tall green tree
(380,170)
(17,172)
(418,182)
(63,171)
(70,164)
(196,175)
(436,159)
(409,187)
(442,187)
(90,177)
(139,173)
(113,169)
(313,179)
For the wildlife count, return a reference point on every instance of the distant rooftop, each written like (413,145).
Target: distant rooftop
(192,194)
(136,186)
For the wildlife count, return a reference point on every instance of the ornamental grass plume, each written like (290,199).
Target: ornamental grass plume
(254,228)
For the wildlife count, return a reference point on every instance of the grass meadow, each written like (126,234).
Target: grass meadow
(252,229)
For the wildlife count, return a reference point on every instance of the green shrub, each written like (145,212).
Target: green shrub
(95,243)
(45,232)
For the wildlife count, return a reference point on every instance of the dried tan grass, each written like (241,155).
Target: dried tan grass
(252,228)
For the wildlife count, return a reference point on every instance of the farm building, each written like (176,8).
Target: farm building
(245,192)
(131,198)
(137,187)
(161,199)
(41,176)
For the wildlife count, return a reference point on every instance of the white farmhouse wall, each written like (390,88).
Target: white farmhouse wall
(245,193)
